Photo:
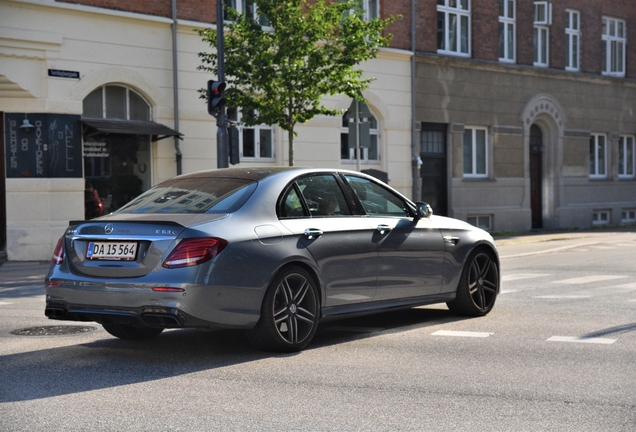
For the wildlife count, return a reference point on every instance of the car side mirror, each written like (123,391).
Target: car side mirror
(423,210)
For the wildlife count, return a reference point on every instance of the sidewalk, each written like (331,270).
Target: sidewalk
(11,271)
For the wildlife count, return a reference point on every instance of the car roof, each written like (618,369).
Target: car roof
(255,173)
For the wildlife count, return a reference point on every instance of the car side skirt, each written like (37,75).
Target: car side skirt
(348,311)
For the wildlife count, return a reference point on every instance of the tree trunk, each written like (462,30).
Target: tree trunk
(291,146)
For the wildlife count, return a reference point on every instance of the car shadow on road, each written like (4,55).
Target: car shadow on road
(109,362)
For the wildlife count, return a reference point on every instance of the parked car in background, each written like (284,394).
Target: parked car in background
(270,250)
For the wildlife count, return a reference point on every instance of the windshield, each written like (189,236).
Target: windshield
(193,195)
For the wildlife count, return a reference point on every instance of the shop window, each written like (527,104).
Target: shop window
(116,166)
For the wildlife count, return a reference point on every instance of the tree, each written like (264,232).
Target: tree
(309,49)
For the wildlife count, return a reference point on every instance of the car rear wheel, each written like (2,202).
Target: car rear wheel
(290,313)
(478,285)
(123,331)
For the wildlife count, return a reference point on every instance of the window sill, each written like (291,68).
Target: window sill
(478,179)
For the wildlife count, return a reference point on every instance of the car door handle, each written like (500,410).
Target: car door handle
(312,233)
(451,240)
(383,228)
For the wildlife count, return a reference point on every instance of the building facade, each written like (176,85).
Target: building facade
(529,106)
(511,114)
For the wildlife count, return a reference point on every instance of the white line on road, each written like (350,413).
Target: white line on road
(628,286)
(519,276)
(562,296)
(4,303)
(588,279)
(592,340)
(461,333)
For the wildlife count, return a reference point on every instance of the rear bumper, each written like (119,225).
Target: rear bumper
(145,316)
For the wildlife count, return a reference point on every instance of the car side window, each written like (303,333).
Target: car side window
(291,205)
(323,196)
(376,200)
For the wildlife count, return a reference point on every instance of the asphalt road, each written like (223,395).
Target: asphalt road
(558,353)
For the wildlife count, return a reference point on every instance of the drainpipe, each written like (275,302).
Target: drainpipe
(417,192)
(175,85)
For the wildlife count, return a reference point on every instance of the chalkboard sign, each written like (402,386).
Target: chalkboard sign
(51,148)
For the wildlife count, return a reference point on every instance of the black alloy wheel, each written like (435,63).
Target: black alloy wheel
(478,285)
(290,313)
(123,331)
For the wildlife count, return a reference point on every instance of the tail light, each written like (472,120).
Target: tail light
(58,253)
(194,251)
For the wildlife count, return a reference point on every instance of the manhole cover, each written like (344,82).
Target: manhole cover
(53,330)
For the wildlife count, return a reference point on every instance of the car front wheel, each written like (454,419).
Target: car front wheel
(290,312)
(478,285)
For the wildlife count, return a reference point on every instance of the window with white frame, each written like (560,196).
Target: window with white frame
(613,47)
(255,142)
(371,9)
(628,216)
(453,27)
(475,152)
(626,156)
(541,35)
(600,217)
(572,39)
(246,7)
(370,153)
(598,156)
(507,30)
(480,221)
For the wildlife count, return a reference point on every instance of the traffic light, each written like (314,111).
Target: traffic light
(216,97)
(233,134)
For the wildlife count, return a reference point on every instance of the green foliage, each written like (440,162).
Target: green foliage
(310,49)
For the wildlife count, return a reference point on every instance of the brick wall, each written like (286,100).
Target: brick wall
(193,10)
(484,25)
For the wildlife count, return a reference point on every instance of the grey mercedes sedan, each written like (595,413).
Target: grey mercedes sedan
(270,250)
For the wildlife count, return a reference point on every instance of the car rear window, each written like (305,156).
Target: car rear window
(193,195)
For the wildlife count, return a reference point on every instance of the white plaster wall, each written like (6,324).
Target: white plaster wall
(38,212)
(111,47)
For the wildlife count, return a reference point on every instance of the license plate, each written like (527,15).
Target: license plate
(121,251)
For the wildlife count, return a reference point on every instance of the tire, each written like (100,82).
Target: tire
(127,332)
(478,285)
(289,314)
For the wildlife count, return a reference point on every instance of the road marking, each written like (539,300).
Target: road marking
(628,286)
(461,333)
(593,340)
(562,296)
(507,291)
(519,276)
(4,303)
(588,279)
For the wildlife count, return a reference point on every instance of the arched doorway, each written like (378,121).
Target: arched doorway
(544,122)
(117,147)
(536,176)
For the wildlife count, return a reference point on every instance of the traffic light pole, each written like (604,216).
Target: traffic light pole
(222,148)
